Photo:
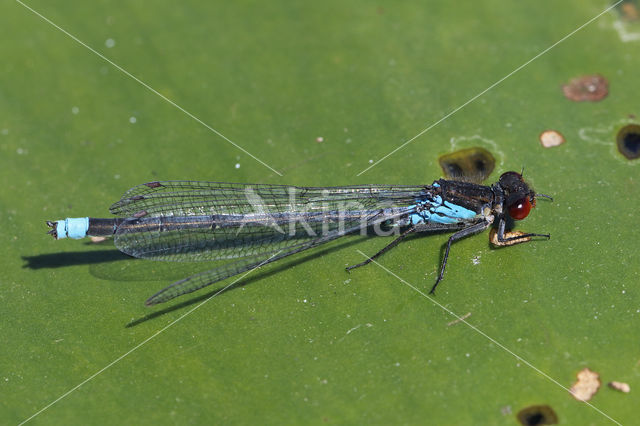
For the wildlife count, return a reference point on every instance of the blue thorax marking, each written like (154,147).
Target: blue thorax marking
(437,211)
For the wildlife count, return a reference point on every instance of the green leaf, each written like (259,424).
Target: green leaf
(319,92)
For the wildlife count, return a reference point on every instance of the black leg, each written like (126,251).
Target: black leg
(502,239)
(473,229)
(388,247)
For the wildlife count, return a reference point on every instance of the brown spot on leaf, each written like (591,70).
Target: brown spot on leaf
(587,385)
(620,386)
(629,11)
(457,320)
(588,88)
(551,138)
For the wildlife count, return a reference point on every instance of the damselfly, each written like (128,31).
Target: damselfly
(250,225)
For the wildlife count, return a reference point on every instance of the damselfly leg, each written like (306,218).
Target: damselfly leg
(386,248)
(525,237)
(473,229)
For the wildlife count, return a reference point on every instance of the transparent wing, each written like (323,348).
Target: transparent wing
(193,198)
(213,221)
(203,279)
(198,281)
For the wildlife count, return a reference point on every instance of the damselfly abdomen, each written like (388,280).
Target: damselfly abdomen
(251,225)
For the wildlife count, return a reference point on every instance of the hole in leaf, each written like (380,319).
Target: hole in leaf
(628,140)
(537,415)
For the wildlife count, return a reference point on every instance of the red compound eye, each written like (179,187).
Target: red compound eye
(520,209)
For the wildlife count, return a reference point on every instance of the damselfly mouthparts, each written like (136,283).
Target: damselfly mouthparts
(256,224)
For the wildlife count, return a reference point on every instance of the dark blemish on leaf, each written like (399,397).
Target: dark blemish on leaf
(551,138)
(628,141)
(537,415)
(588,88)
(470,164)
(451,169)
(153,184)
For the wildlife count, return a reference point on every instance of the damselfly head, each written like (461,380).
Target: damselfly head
(519,197)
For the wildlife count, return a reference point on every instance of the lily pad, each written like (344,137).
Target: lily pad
(101,96)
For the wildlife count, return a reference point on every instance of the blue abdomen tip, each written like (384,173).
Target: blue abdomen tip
(72,227)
